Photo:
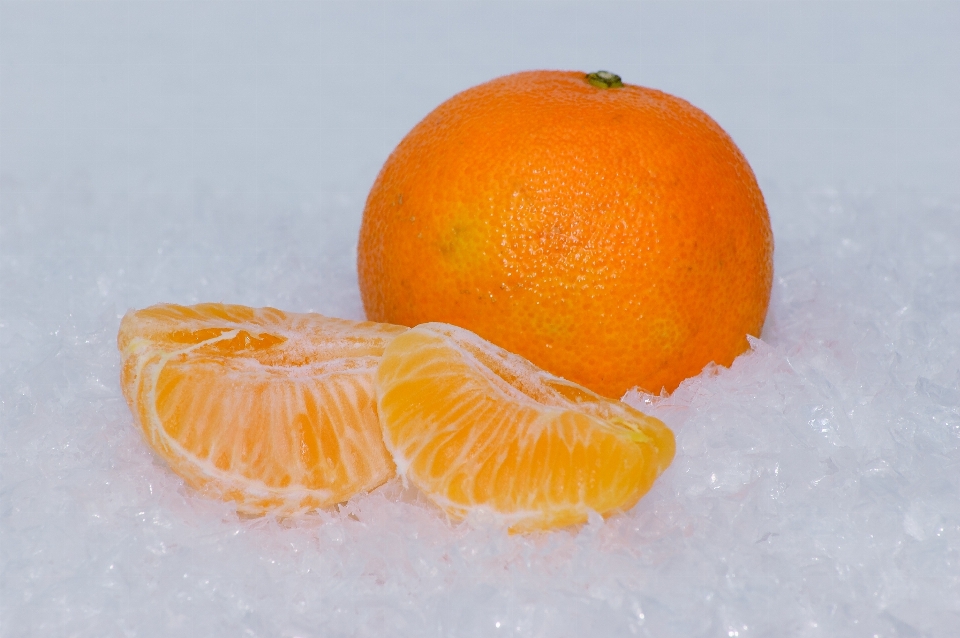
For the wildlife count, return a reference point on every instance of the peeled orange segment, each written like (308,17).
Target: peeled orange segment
(476,427)
(275,411)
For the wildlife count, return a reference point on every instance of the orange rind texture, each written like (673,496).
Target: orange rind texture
(616,237)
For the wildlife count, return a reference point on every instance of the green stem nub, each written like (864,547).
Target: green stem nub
(604,80)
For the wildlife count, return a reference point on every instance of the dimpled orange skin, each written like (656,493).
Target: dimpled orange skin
(613,236)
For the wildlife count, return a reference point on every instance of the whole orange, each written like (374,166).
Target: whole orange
(612,234)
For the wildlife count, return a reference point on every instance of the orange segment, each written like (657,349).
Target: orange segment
(273,410)
(474,426)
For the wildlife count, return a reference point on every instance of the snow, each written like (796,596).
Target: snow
(189,152)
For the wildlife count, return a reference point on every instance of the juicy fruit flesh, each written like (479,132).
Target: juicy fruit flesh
(476,427)
(273,410)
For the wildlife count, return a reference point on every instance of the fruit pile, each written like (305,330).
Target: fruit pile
(611,235)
